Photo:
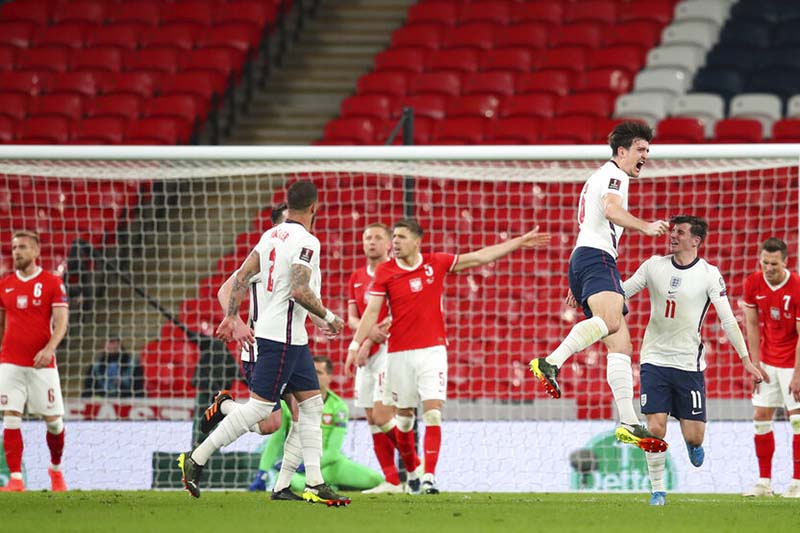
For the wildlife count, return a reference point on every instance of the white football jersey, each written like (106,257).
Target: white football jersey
(278,317)
(679,300)
(596,231)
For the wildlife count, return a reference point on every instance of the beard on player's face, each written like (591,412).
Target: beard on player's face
(22,262)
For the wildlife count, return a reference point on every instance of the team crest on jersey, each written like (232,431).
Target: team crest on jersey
(415,284)
(306,254)
(22,301)
(614,184)
(674,282)
(774,313)
(643,400)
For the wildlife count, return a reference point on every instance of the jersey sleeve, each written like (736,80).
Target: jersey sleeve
(749,291)
(614,183)
(305,251)
(638,281)
(446,261)
(716,289)
(379,282)
(718,295)
(351,290)
(58,293)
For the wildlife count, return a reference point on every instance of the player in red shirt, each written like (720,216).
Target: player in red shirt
(370,378)
(33,320)
(772,323)
(413,284)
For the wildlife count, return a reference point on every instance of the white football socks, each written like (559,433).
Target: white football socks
(655,467)
(292,457)
(620,379)
(233,426)
(582,335)
(310,431)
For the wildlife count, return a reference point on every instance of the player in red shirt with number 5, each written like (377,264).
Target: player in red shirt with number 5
(413,284)
(33,320)
(772,322)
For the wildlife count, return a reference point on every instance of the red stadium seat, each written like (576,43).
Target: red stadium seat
(206,87)
(476,35)
(53,58)
(69,35)
(390,83)
(424,105)
(418,36)
(457,59)
(659,11)
(530,35)
(540,105)
(175,35)
(507,59)
(17,33)
(37,13)
(423,128)
(106,58)
(497,12)
(43,130)
(142,83)
(433,12)
(442,83)
(474,105)
(549,11)
(162,59)
(459,131)
(8,129)
(353,130)
(640,33)
(143,12)
(14,105)
(738,130)
(239,36)
(226,61)
(402,59)
(99,130)
(555,82)
(117,105)
(498,83)
(8,57)
(367,105)
(571,58)
(27,82)
(515,130)
(154,131)
(612,80)
(122,35)
(85,11)
(683,130)
(256,13)
(168,368)
(180,107)
(595,104)
(569,130)
(59,105)
(589,35)
(84,83)
(198,13)
(597,11)
(786,130)
(626,57)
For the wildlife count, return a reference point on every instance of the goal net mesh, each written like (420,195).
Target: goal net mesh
(143,246)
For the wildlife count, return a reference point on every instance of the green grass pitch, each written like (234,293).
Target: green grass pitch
(237,512)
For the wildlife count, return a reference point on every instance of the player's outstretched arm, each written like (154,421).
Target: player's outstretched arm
(305,296)
(532,239)
(45,356)
(614,212)
(232,327)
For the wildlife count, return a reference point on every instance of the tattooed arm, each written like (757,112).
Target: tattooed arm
(232,327)
(304,295)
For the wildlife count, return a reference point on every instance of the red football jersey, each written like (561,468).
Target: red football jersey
(28,304)
(778,313)
(359,285)
(415,300)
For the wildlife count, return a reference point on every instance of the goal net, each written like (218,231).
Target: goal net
(144,237)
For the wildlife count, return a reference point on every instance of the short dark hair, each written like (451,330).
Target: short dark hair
(327,361)
(301,195)
(411,225)
(697,226)
(32,235)
(774,244)
(277,212)
(384,227)
(626,132)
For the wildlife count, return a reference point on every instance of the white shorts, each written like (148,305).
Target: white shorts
(776,392)
(40,388)
(416,375)
(370,379)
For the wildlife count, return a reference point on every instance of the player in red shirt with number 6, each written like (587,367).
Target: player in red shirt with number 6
(33,320)
(413,284)
(772,323)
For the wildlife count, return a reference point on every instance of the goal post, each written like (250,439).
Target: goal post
(144,236)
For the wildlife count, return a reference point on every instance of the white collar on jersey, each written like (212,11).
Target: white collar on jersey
(413,267)
(23,278)
(779,285)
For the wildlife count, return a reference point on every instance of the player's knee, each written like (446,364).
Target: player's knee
(762,427)
(432,417)
(405,423)
(55,425)
(657,428)
(794,421)
(311,408)
(12,422)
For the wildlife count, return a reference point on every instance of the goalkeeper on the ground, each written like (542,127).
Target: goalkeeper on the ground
(338,470)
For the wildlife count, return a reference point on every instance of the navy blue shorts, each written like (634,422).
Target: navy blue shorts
(592,270)
(249,367)
(680,393)
(281,368)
